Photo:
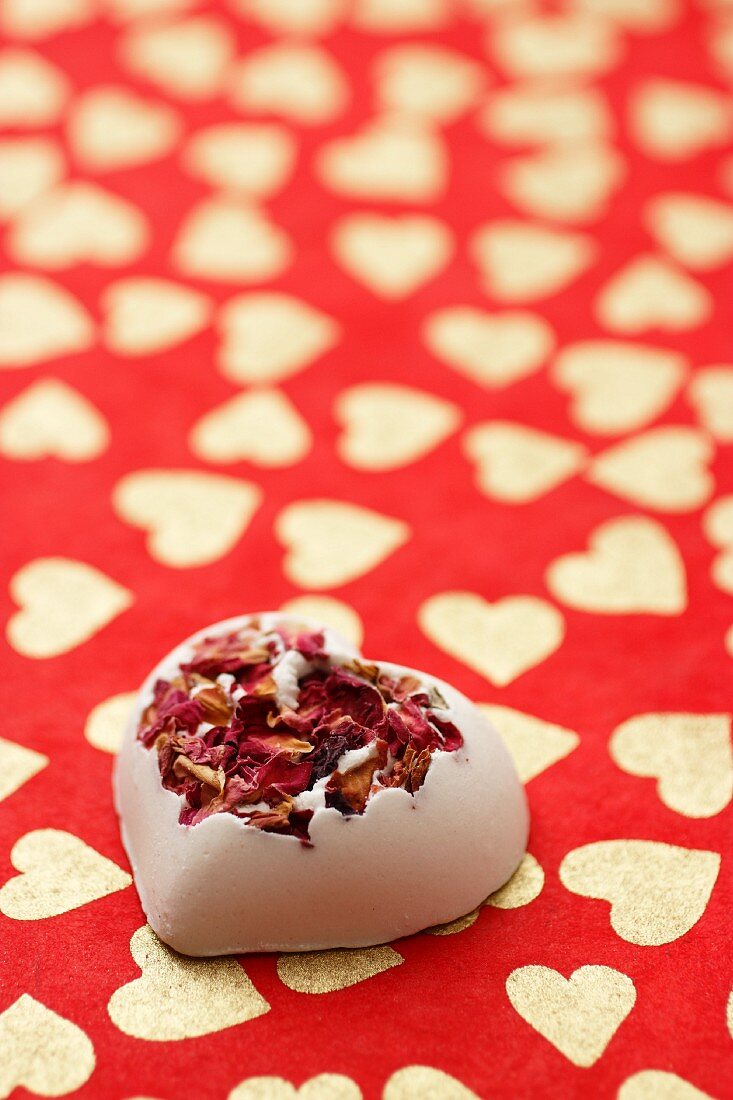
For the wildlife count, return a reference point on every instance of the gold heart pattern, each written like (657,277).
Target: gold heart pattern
(658,892)
(579,1015)
(58,872)
(689,754)
(416,305)
(42,1051)
(328,971)
(157,1005)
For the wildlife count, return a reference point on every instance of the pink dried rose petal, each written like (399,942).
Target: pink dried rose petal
(225,753)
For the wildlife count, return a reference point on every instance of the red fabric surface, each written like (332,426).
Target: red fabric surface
(446,1005)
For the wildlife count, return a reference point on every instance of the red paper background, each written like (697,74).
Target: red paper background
(446,1006)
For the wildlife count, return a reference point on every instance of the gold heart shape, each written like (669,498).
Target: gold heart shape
(392,256)
(665,468)
(58,873)
(522,888)
(647,17)
(392,159)
(327,609)
(579,1015)
(689,754)
(517,464)
(521,262)
(158,1005)
(32,91)
(306,17)
(18,764)
(268,336)
(145,315)
(30,167)
(427,80)
(62,604)
(649,293)
(387,425)
(661,1085)
(565,183)
(42,1051)
(717,524)
(43,18)
(534,745)
(555,45)
(39,320)
(110,128)
(325,1086)
(327,971)
(192,518)
(490,349)
(50,419)
(658,892)
(673,120)
(711,393)
(633,567)
(254,158)
(259,426)
(427,1083)
(695,230)
(617,386)
(498,640)
(332,542)
(188,58)
(231,242)
(399,16)
(526,115)
(76,223)
(105,724)
(297,81)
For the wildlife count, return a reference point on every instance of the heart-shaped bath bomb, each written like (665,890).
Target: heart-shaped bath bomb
(347,804)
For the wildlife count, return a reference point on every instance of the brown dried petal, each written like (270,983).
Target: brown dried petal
(353,787)
(215,704)
(183,766)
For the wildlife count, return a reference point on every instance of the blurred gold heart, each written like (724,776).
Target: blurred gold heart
(527,115)
(332,542)
(711,393)
(77,223)
(106,722)
(490,349)
(517,464)
(18,764)
(617,386)
(32,90)
(62,604)
(579,1015)
(30,167)
(296,80)
(521,262)
(230,242)
(39,320)
(632,567)
(499,640)
(157,1006)
(387,425)
(649,293)
(427,80)
(392,256)
(261,426)
(253,158)
(426,1082)
(689,754)
(192,518)
(390,159)
(674,120)
(695,230)
(50,419)
(58,872)
(565,183)
(145,315)
(558,45)
(327,971)
(657,891)
(110,128)
(269,336)
(717,524)
(187,59)
(665,468)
